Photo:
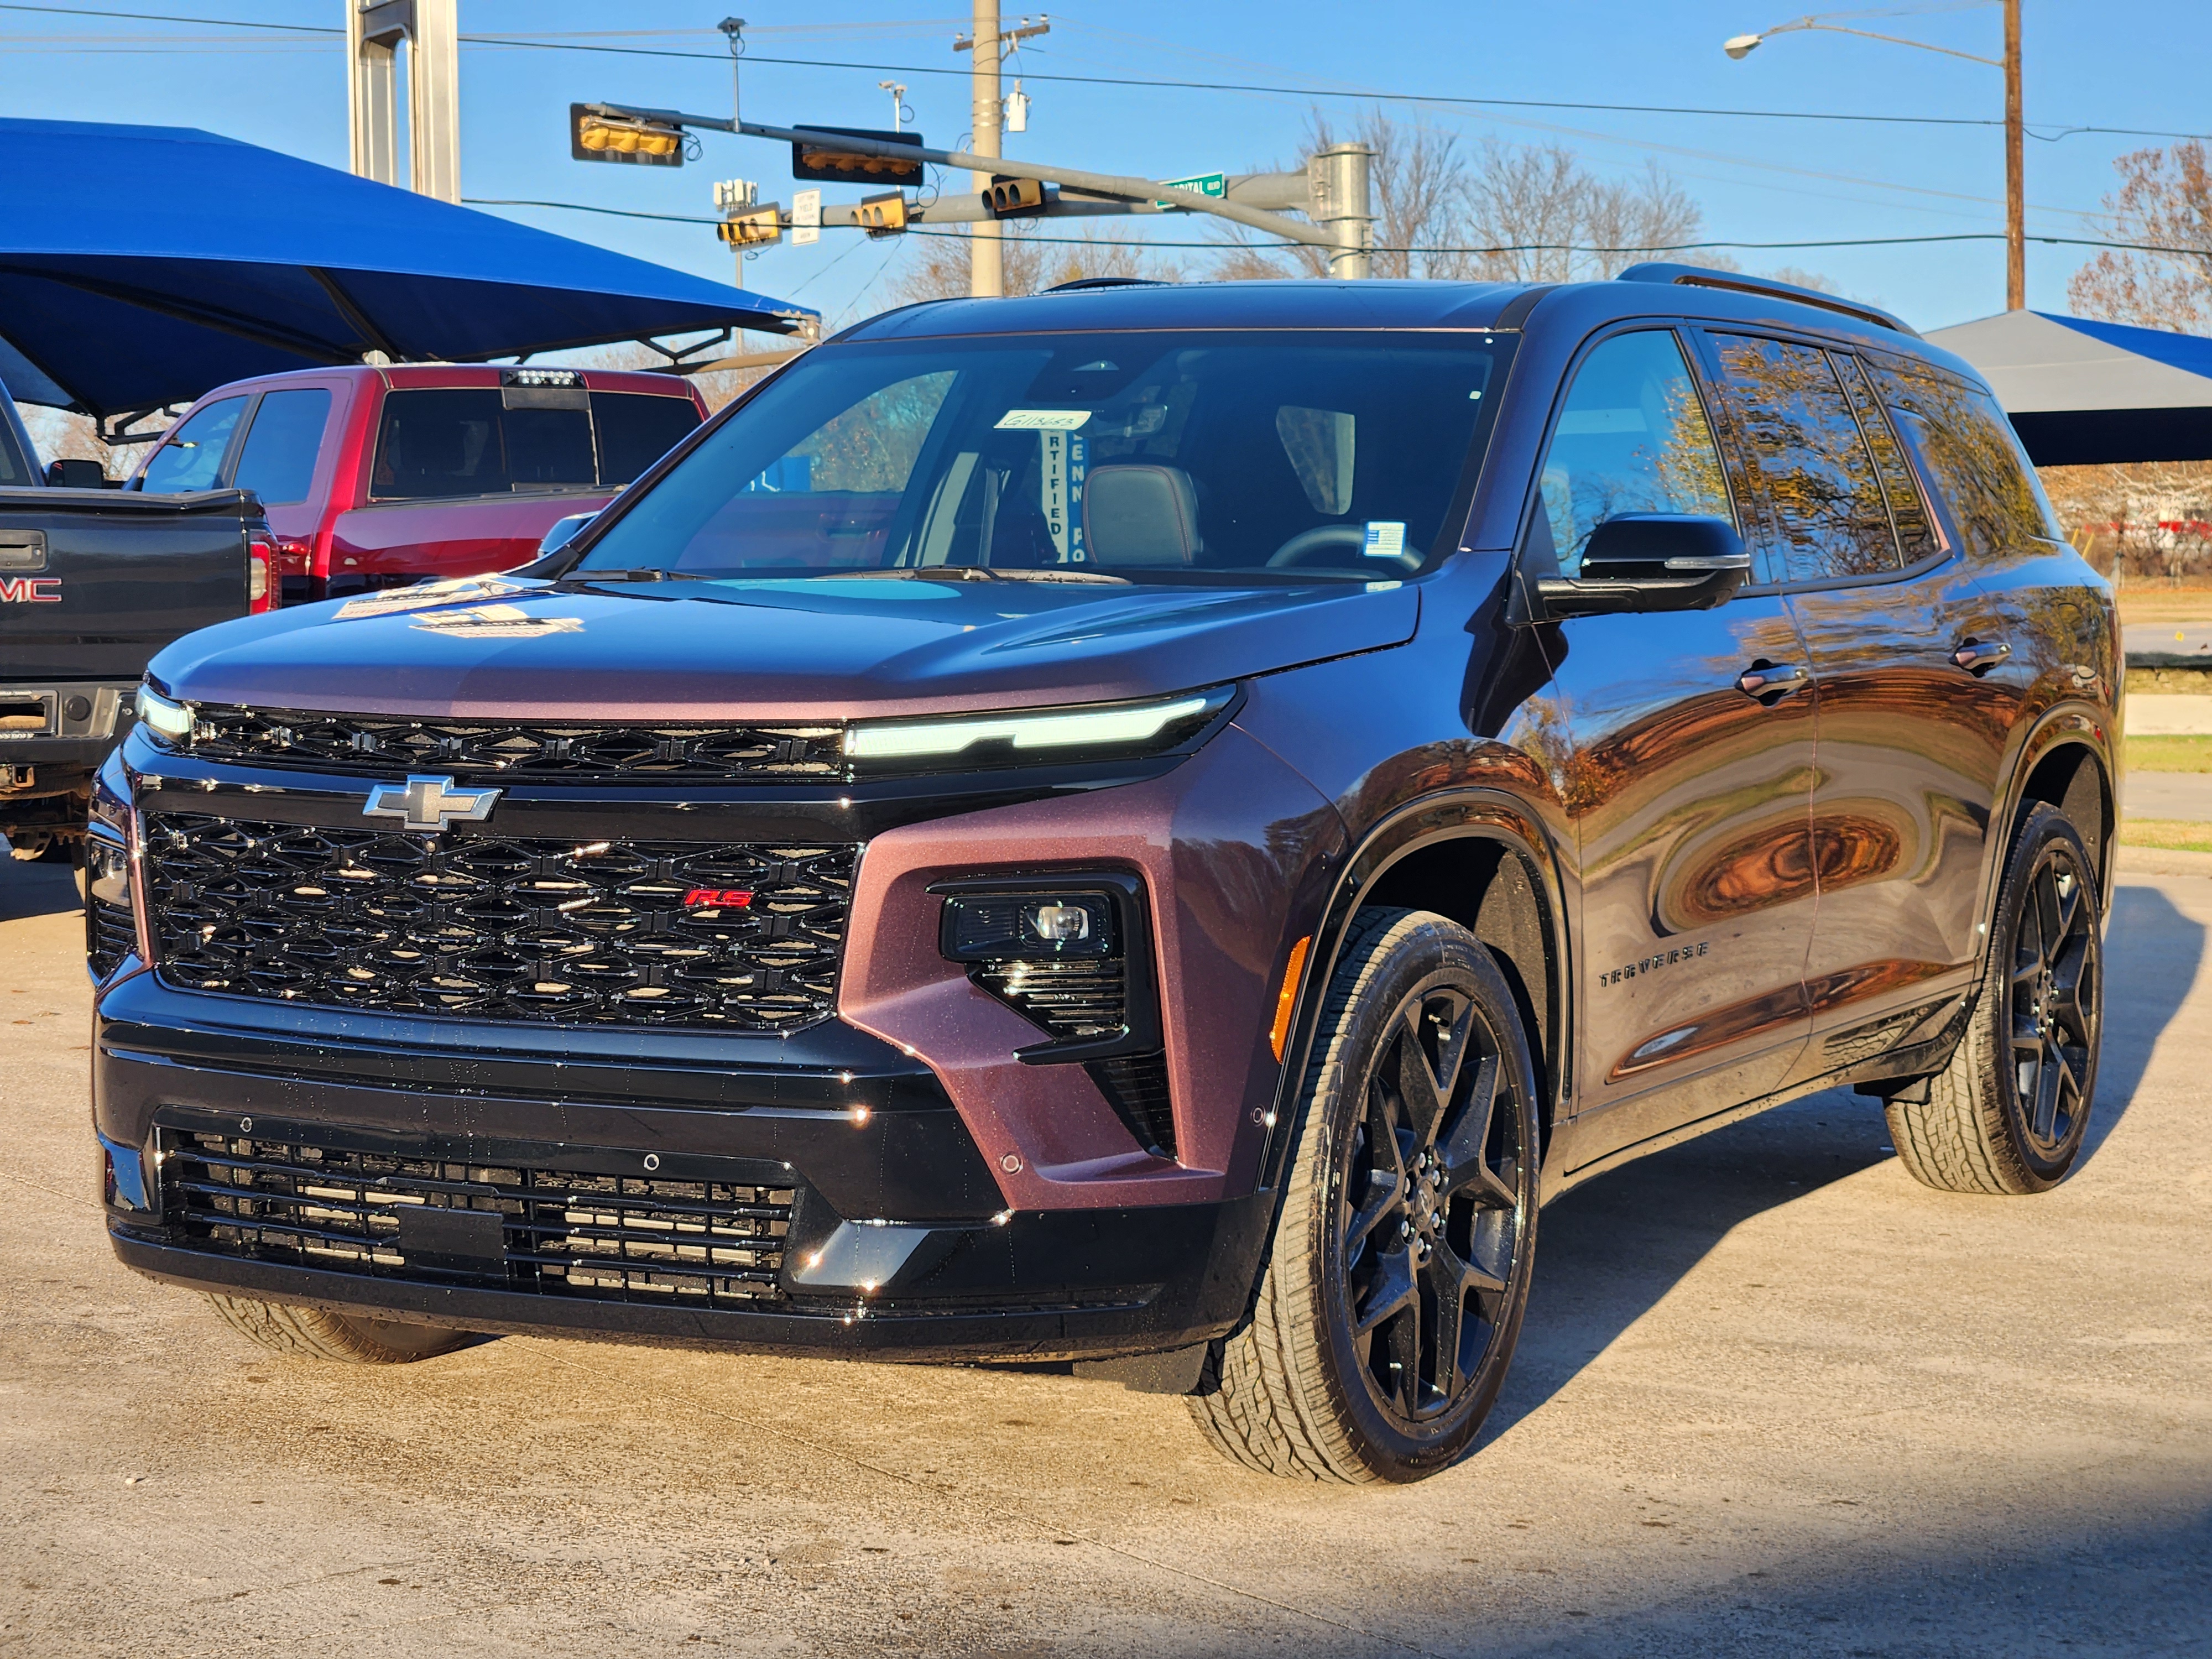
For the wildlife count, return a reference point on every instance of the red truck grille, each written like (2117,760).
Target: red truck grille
(670,933)
(366,744)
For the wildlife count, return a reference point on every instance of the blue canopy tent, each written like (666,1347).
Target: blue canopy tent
(140,266)
(2083,392)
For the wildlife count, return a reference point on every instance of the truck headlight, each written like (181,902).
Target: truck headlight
(1106,728)
(166,718)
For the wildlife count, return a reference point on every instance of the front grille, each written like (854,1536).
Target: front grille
(501,928)
(552,1232)
(379,746)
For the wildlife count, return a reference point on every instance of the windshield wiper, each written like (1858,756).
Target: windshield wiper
(974,573)
(651,574)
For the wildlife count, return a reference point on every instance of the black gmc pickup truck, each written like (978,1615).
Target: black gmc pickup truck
(92,582)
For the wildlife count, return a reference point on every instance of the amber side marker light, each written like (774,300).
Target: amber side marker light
(1279,1032)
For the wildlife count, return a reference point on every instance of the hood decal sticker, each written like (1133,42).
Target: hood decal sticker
(497,622)
(426,596)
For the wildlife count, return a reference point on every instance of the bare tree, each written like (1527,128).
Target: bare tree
(2165,199)
(1505,214)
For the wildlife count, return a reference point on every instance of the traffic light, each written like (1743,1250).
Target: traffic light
(753,228)
(1014,198)
(817,157)
(882,215)
(594,135)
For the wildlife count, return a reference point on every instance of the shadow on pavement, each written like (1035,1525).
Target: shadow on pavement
(2122,1590)
(1608,1251)
(35,889)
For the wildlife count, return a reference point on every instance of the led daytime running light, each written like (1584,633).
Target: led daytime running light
(171,720)
(1111,727)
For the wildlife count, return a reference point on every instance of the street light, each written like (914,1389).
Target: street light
(1740,46)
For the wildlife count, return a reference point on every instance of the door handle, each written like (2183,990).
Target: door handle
(1770,682)
(1978,657)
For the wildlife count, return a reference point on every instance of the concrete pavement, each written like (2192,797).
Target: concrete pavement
(1773,1397)
(2168,795)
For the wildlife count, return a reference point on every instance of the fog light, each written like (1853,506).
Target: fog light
(1059,923)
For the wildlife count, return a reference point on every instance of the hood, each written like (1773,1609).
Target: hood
(820,649)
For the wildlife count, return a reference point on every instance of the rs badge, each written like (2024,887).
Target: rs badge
(430,803)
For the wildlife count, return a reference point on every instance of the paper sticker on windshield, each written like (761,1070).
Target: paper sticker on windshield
(1042,420)
(1386,539)
(424,596)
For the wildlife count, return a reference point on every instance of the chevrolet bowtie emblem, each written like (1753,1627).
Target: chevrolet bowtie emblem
(430,803)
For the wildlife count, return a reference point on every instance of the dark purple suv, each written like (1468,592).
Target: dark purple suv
(1149,827)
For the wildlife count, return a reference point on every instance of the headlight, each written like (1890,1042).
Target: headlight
(170,718)
(1116,728)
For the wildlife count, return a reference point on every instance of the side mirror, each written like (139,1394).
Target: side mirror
(1652,561)
(563,531)
(76,475)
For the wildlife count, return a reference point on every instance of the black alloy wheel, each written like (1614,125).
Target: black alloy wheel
(1430,1209)
(2057,1005)
(1394,1288)
(2008,1112)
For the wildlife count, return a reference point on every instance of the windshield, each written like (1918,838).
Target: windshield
(1149,457)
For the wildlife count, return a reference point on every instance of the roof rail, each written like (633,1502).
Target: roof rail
(1085,282)
(1737,282)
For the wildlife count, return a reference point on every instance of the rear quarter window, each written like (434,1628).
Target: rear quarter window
(277,462)
(1973,459)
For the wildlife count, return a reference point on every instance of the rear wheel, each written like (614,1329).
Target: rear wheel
(1394,1288)
(2008,1113)
(316,1334)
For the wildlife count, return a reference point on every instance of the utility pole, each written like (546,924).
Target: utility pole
(987,266)
(2016,159)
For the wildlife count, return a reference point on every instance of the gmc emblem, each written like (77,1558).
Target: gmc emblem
(717,898)
(30,590)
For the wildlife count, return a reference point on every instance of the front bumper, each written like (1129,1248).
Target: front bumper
(898,1241)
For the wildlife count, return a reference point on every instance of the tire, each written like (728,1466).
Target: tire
(1421,1036)
(313,1333)
(2008,1115)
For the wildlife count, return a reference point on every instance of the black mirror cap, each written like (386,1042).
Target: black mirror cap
(1642,561)
(1662,544)
(77,474)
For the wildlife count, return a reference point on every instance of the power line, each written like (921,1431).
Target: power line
(513,42)
(1502,247)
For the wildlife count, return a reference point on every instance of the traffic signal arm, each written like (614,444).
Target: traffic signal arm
(1108,187)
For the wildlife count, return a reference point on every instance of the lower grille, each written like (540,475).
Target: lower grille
(553,1232)
(1136,1087)
(743,937)
(109,935)
(1075,997)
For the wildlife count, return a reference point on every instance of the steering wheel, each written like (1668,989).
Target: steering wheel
(1302,547)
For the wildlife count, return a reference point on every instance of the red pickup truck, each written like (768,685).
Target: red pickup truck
(379,477)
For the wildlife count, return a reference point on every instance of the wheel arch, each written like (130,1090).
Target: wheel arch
(2066,762)
(1478,857)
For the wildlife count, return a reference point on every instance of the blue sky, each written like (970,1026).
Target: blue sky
(2139,65)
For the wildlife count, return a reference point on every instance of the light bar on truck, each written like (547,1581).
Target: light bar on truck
(1125,727)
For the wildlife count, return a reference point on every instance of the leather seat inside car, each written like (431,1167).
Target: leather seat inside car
(1140,513)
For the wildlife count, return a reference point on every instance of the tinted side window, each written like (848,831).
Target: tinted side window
(277,462)
(15,469)
(1908,509)
(192,457)
(1975,460)
(1632,437)
(635,430)
(1811,459)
